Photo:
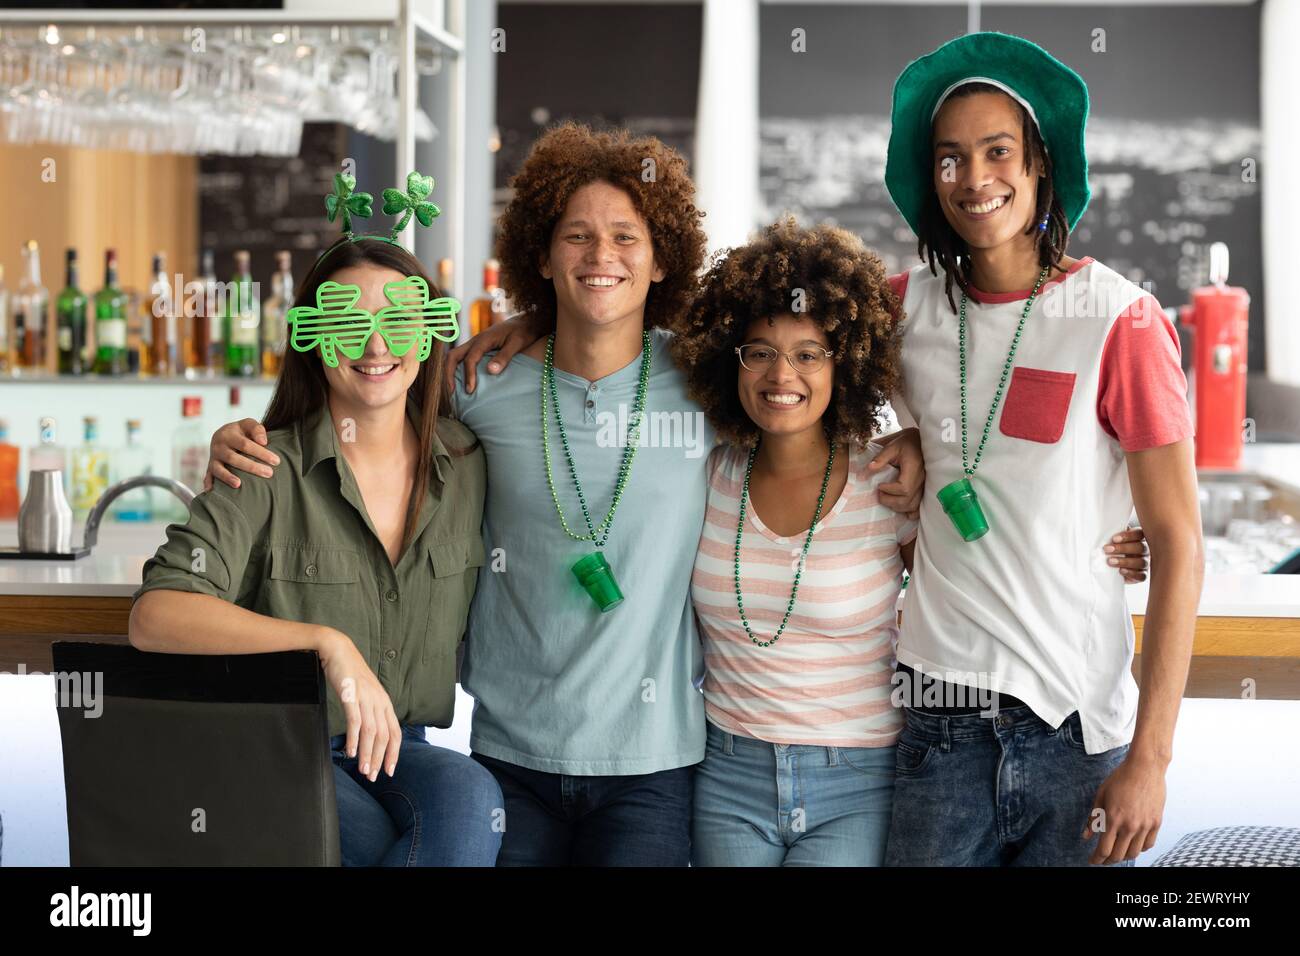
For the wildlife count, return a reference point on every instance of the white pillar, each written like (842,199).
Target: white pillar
(1279,187)
(726,132)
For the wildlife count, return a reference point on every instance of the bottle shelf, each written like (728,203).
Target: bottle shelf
(121,380)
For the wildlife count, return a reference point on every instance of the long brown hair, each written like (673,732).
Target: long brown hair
(302,389)
(938,242)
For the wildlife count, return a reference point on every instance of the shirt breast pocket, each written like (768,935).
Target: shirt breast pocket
(315,585)
(454,565)
(1037,404)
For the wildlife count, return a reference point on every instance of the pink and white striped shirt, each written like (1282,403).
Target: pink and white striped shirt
(827,680)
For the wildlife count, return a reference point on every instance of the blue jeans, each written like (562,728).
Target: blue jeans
(763,804)
(556,819)
(1007,790)
(439,809)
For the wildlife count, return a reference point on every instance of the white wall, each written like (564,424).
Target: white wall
(1279,187)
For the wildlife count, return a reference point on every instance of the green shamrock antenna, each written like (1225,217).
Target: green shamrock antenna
(411,202)
(336,324)
(348,203)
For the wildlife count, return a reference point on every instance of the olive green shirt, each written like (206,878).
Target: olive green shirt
(299,546)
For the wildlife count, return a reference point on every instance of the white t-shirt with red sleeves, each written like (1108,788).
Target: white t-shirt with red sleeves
(1032,609)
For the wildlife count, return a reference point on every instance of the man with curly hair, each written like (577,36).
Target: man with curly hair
(593,721)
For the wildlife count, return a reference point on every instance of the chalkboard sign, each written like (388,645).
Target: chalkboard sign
(1173,139)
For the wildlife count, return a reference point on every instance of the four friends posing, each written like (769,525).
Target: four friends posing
(739,704)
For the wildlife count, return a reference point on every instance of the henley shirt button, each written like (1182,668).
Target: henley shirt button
(390,655)
(310,570)
(590,403)
(391,595)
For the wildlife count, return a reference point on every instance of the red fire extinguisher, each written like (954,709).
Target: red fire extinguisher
(1219,316)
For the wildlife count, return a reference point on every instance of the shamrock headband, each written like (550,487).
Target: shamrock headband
(335,324)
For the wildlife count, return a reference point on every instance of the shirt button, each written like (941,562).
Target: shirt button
(311,570)
(391,596)
(590,403)
(390,655)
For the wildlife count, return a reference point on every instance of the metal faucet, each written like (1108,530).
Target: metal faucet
(96,513)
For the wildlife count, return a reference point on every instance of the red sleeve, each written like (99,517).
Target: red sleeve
(899,284)
(901,412)
(1142,392)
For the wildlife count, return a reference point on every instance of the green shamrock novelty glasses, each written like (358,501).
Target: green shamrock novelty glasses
(335,324)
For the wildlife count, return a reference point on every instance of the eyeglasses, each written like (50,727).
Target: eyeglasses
(805,360)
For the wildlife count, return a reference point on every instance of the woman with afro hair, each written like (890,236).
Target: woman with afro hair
(792,351)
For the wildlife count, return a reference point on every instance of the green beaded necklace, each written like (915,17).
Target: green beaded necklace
(807,543)
(969,469)
(597,534)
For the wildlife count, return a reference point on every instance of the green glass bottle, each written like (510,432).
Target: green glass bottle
(241,321)
(110,322)
(70,312)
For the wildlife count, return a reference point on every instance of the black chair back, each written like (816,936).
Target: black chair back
(194,760)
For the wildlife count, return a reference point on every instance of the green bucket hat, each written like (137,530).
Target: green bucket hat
(1054,95)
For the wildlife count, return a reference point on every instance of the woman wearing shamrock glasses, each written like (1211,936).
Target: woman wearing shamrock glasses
(364,547)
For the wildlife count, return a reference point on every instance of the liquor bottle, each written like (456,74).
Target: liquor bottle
(197,312)
(31,315)
(49,453)
(491,307)
(89,470)
(70,314)
(274,311)
(215,312)
(241,321)
(190,450)
(128,462)
(6,333)
(110,322)
(8,474)
(159,354)
(444,276)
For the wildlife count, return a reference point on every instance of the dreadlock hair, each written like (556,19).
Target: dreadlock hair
(939,243)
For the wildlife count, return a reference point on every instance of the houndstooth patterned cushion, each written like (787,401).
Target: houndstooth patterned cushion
(1236,846)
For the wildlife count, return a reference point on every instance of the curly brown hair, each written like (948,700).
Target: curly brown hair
(845,291)
(568,157)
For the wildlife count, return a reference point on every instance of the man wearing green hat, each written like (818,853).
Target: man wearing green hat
(1065,382)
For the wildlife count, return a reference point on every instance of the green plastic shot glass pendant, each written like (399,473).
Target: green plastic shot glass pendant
(593,571)
(962,505)
(597,579)
(960,502)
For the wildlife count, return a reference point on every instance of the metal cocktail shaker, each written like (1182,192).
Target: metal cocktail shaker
(45,519)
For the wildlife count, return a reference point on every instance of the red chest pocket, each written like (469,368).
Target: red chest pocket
(1037,403)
